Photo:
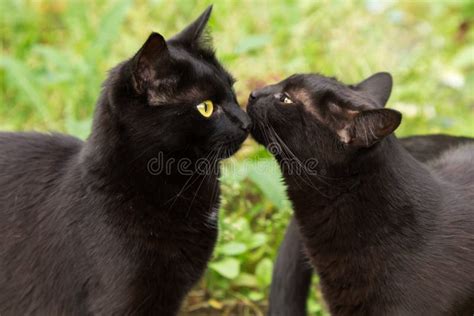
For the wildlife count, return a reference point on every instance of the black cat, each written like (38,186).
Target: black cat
(292,273)
(387,234)
(99,227)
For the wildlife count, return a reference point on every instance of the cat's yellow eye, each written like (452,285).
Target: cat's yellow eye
(206,108)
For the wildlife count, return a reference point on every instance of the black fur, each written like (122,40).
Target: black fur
(387,234)
(291,278)
(292,272)
(88,227)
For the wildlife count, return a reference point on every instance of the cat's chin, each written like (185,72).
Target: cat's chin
(228,150)
(257,134)
(219,152)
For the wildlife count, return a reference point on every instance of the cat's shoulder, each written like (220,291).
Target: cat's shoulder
(35,153)
(456,165)
(11,143)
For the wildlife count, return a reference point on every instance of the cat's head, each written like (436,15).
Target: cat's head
(310,115)
(175,96)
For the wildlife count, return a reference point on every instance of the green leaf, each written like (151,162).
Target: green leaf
(242,227)
(266,175)
(257,240)
(263,272)
(314,307)
(256,296)
(246,280)
(24,81)
(233,171)
(228,267)
(464,58)
(232,248)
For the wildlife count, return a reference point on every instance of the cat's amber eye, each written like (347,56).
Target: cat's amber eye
(206,108)
(286,99)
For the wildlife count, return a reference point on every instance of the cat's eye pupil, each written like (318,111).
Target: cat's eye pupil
(205,108)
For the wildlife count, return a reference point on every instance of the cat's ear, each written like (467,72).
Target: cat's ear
(378,87)
(193,34)
(369,127)
(145,61)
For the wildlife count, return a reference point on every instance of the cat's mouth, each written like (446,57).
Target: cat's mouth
(221,149)
(259,130)
(260,133)
(227,149)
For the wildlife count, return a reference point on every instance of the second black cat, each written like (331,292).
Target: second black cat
(387,234)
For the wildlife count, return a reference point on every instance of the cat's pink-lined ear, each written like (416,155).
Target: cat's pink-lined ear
(193,33)
(378,87)
(369,127)
(144,63)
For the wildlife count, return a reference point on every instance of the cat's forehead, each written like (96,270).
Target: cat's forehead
(194,78)
(313,84)
(202,64)
(319,91)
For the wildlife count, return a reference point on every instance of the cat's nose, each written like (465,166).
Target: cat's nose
(261,92)
(246,124)
(253,95)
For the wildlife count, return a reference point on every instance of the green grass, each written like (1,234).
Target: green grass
(55,54)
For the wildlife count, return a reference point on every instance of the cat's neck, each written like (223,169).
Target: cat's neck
(383,186)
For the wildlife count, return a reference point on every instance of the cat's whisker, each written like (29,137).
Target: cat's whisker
(186,185)
(307,179)
(301,165)
(204,178)
(269,138)
(213,213)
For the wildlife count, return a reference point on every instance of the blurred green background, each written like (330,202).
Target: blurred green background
(55,54)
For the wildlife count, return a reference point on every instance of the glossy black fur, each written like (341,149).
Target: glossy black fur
(85,227)
(387,234)
(292,273)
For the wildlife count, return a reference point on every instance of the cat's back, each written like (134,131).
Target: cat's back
(456,167)
(26,146)
(33,156)
(31,168)
(31,164)
(455,171)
